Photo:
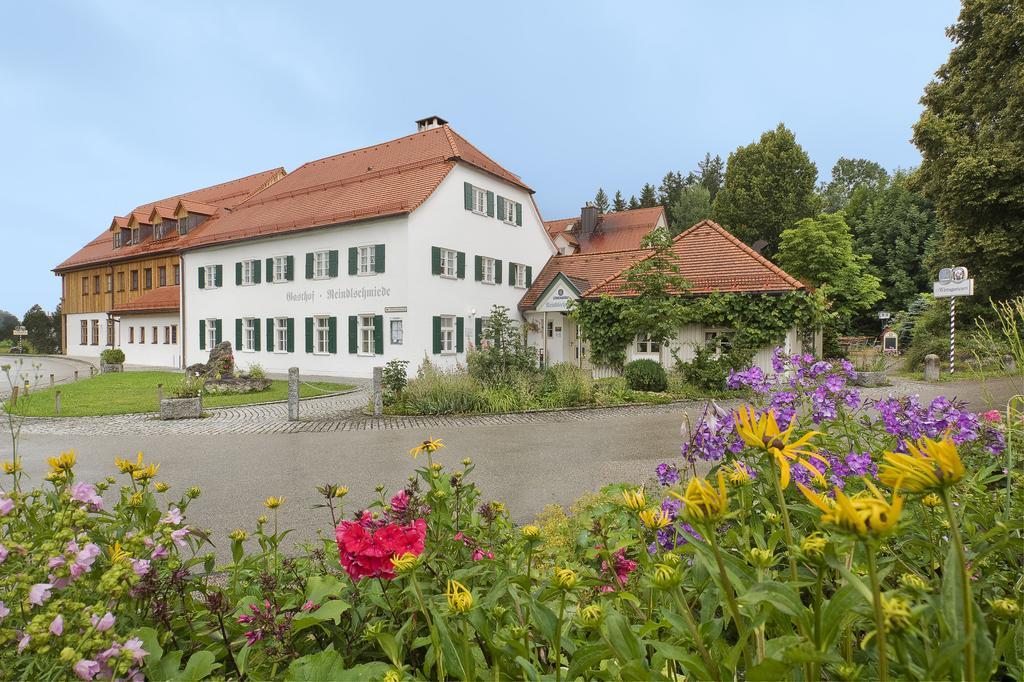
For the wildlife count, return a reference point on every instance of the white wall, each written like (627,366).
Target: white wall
(74,335)
(159,354)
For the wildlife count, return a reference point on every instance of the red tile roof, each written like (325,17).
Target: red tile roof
(616,231)
(225,195)
(387,179)
(584,269)
(161,299)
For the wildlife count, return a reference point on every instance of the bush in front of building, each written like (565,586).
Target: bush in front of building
(645,375)
(437,391)
(394,379)
(709,369)
(112,356)
(502,355)
(566,385)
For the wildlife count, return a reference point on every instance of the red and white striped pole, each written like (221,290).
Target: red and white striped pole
(952,331)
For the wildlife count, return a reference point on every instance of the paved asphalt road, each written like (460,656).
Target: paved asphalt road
(37,369)
(525,466)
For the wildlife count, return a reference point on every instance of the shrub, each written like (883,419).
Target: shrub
(566,385)
(189,387)
(441,392)
(503,353)
(645,375)
(394,379)
(709,370)
(256,371)
(112,356)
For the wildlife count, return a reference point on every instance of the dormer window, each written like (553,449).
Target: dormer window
(136,235)
(183,225)
(118,239)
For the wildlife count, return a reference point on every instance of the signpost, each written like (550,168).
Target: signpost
(21,333)
(953,282)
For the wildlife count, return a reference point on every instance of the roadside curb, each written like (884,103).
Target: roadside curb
(544,410)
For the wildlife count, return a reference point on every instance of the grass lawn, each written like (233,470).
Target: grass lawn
(964,374)
(126,392)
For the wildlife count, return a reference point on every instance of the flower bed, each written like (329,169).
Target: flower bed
(830,540)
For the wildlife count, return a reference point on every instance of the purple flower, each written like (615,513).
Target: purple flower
(86,494)
(84,560)
(86,669)
(4,611)
(159,553)
(134,645)
(6,504)
(777,362)
(56,562)
(667,474)
(140,566)
(835,382)
(715,435)
(173,516)
(57,626)
(39,593)
(105,623)
(179,537)
(3,553)
(23,642)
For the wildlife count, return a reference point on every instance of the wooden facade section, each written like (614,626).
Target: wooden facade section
(99,288)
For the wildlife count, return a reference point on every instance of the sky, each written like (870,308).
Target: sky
(106,105)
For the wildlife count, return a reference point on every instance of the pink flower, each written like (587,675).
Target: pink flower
(39,593)
(140,566)
(86,669)
(159,553)
(86,493)
(993,416)
(479,554)
(84,560)
(110,653)
(179,537)
(23,642)
(57,626)
(103,624)
(56,561)
(173,516)
(308,606)
(364,552)
(4,611)
(134,645)
(71,548)
(3,553)
(400,502)
(6,504)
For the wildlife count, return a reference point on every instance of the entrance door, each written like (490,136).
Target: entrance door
(554,333)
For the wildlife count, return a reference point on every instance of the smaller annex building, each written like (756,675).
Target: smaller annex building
(596,249)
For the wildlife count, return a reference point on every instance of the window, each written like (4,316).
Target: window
(248,333)
(120,281)
(177,274)
(183,225)
(280,273)
(719,340)
(95,332)
(110,283)
(447,333)
(449,263)
(211,334)
(479,201)
(85,332)
(487,270)
(210,274)
(167,334)
(366,334)
(161,276)
(644,344)
(95,284)
(247,273)
(508,211)
(85,286)
(321,334)
(154,335)
(148,277)
(551,329)
(280,332)
(131,334)
(174,333)
(142,335)
(110,332)
(520,275)
(135,280)
(397,333)
(321,265)
(366,260)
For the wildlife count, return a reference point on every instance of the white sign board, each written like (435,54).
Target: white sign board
(963,288)
(20,331)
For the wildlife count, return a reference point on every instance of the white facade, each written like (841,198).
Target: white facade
(147,339)
(404,299)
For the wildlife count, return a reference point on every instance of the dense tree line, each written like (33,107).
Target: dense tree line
(44,329)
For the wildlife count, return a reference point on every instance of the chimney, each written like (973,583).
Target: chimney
(589,216)
(429,123)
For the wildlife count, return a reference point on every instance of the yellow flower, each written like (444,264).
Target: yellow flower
(161,487)
(654,518)
(702,502)
(238,534)
(738,475)
(459,598)
(341,491)
(404,563)
(466,462)
(866,513)
(666,576)
(764,434)
(126,466)
(118,555)
(1005,608)
(590,616)
(565,578)
(931,500)
(273,502)
(55,476)
(530,532)
(146,473)
(135,500)
(813,546)
(392,676)
(930,465)
(12,467)
(634,499)
(64,463)
(914,582)
(261,519)
(429,446)
(896,611)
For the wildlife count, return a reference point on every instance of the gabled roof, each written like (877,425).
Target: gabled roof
(187,205)
(161,299)
(225,195)
(387,179)
(616,231)
(584,270)
(711,259)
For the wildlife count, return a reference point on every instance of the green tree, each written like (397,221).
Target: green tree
(971,137)
(7,324)
(769,185)
(618,203)
(601,200)
(39,325)
(503,354)
(633,203)
(648,196)
(692,206)
(671,185)
(711,174)
(819,251)
(847,175)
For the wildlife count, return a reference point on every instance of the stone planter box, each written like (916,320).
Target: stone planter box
(869,379)
(111,367)
(181,408)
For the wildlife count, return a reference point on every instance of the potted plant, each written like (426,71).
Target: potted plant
(112,360)
(186,401)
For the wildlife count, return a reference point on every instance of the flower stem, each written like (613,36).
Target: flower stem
(883,657)
(558,639)
(730,597)
(430,625)
(965,588)
(691,624)
(781,498)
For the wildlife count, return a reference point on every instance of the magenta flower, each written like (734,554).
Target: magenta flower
(57,626)
(993,416)
(179,537)
(105,623)
(86,669)
(39,593)
(6,505)
(173,516)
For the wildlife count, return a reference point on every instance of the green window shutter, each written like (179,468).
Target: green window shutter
(437,334)
(435,260)
(490,204)
(332,334)
(309,268)
(468,190)
(378,258)
(270,335)
(202,278)
(497,272)
(238,334)
(460,332)
(217,330)
(256,334)
(289,268)
(378,334)
(202,334)
(501,207)
(238,273)
(309,334)
(353,334)
(460,265)
(218,276)
(270,269)
(332,263)
(529,275)
(256,275)
(511,274)
(291,333)
(519,214)
(478,268)
(479,331)
(353,260)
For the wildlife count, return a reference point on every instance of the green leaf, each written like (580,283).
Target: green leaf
(320,586)
(151,644)
(769,670)
(325,665)
(545,620)
(200,664)
(694,667)
(391,647)
(838,612)
(167,668)
(331,611)
(587,657)
(621,638)
(782,597)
